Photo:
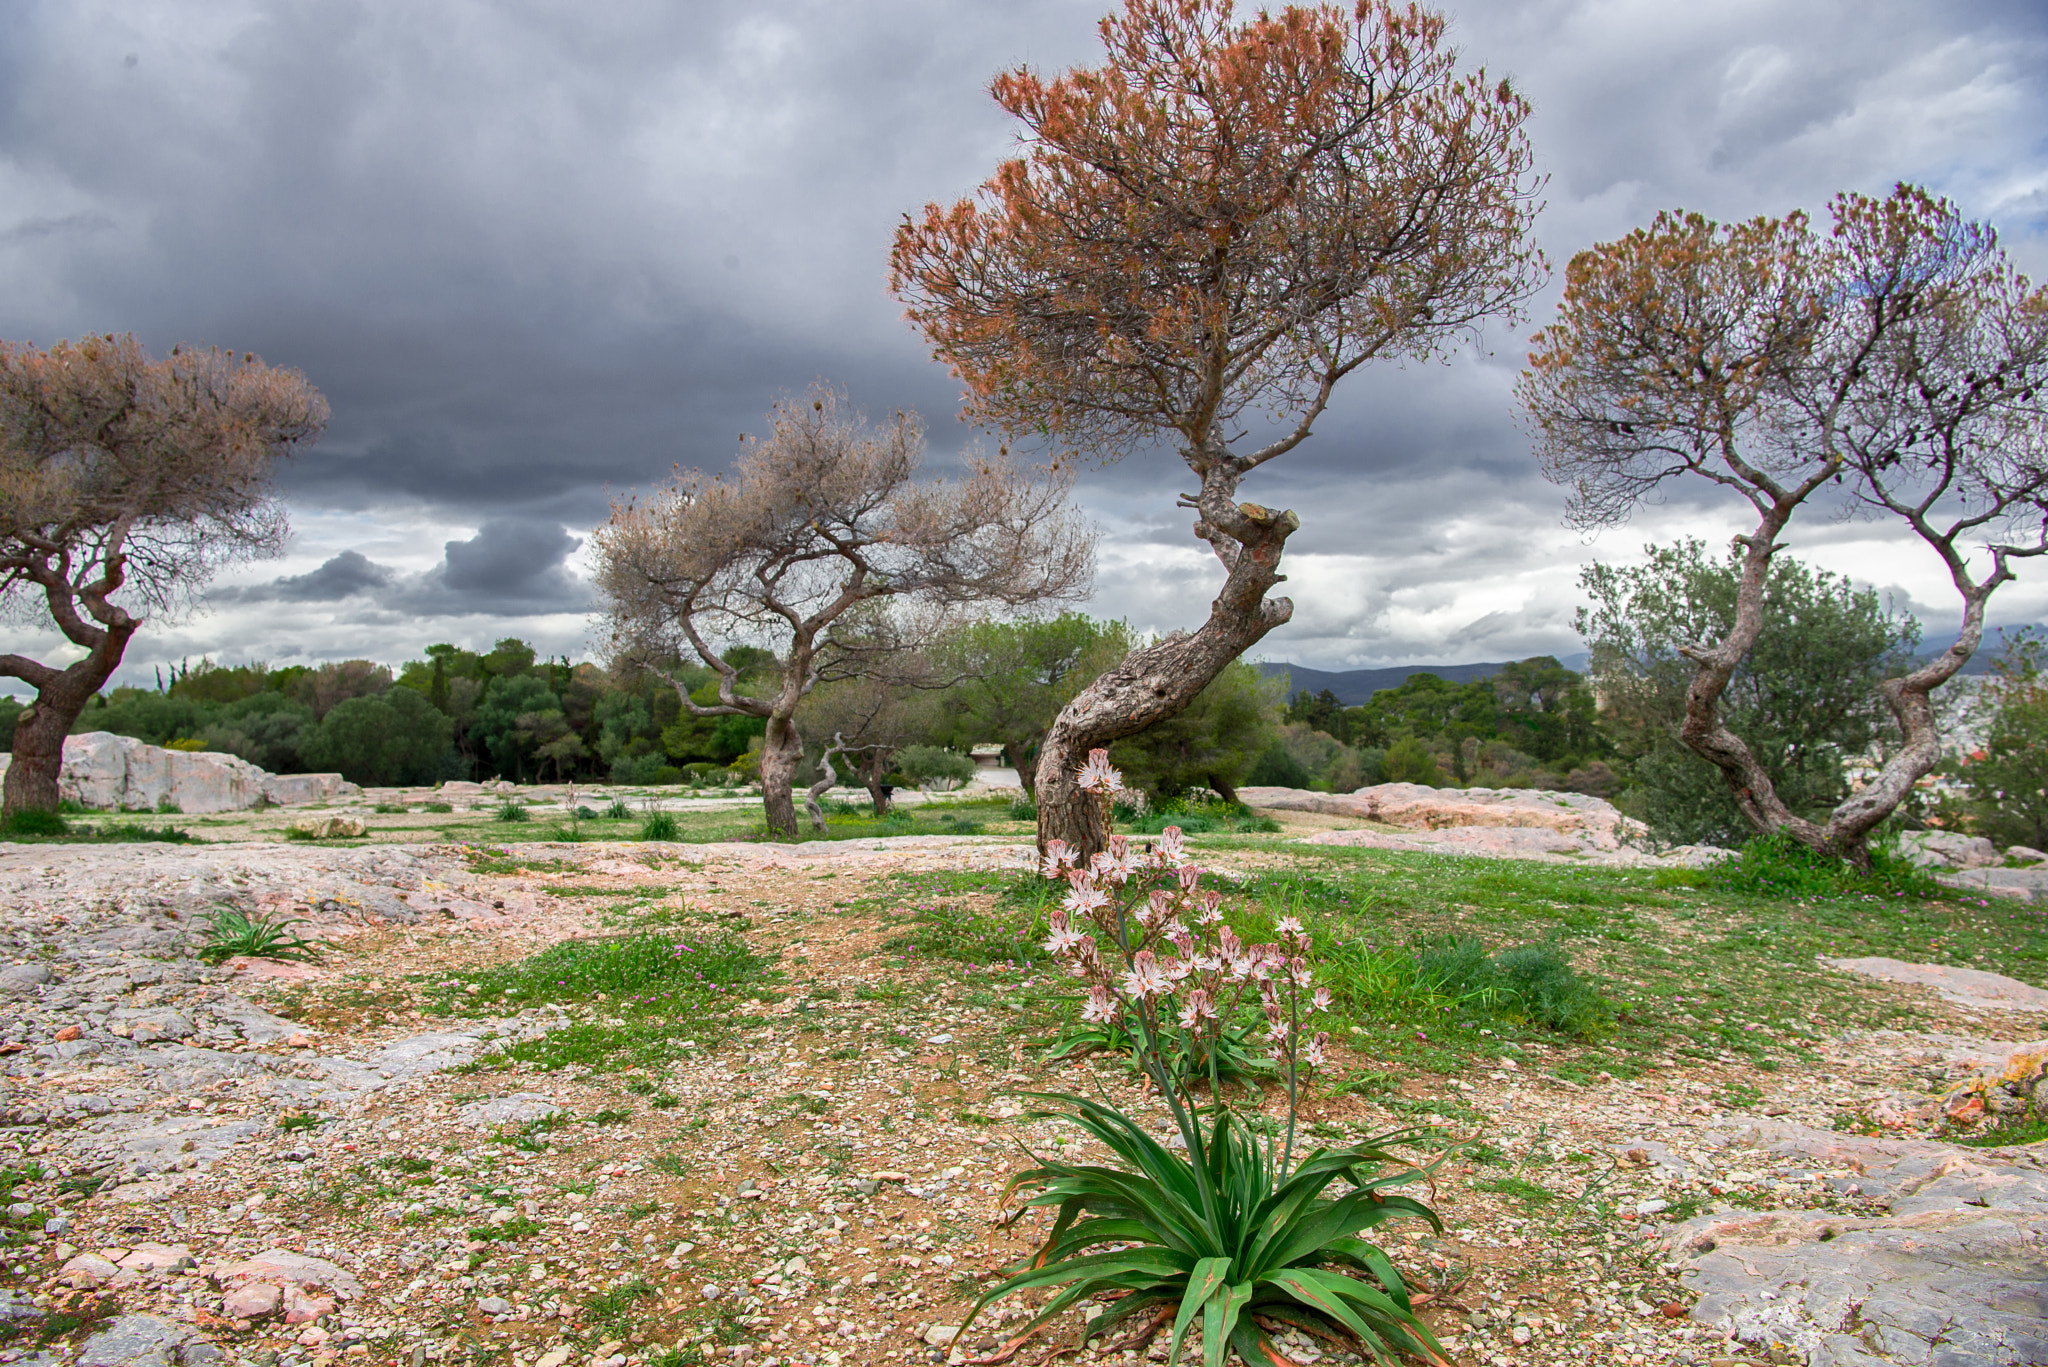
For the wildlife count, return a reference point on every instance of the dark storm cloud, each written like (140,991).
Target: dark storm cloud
(534,255)
(344,576)
(510,568)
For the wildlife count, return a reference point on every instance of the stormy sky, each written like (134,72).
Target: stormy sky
(536,253)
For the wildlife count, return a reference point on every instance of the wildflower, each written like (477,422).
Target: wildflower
(1100,1008)
(1313,1050)
(1198,1007)
(1288,926)
(1171,852)
(1064,940)
(1059,856)
(1146,978)
(1321,1000)
(1098,775)
(1084,897)
(1158,909)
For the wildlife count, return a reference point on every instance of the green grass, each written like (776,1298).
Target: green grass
(642,995)
(1585,969)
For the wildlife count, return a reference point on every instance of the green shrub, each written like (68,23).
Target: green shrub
(514,812)
(1779,866)
(34,821)
(442,808)
(934,769)
(660,826)
(235,934)
(1026,810)
(617,810)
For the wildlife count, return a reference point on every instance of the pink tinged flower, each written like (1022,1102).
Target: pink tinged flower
(1064,941)
(1190,879)
(1100,1008)
(1288,925)
(1198,1007)
(1313,1051)
(1211,908)
(1059,856)
(1182,939)
(1098,775)
(1171,851)
(1321,1000)
(1084,897)
(1146,978)
(1227,941)
(1277,1028)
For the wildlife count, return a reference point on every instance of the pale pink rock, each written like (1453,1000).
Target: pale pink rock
(87,1270)
(300,1308)
(252,1301)
(156,1258)
(1968,986)
(1419,807)
(279,1265)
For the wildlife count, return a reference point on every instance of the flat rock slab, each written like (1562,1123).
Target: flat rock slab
(147,1341)
(280,1265)
(1966,986)
(507,1110)
(2028,884)
(1956,1275)
(1541,844)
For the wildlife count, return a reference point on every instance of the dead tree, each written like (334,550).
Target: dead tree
(1899,357)
(125,484)
(1222,221)
(824,520)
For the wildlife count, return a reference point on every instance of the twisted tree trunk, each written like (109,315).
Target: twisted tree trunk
(782,750)
(1158,681)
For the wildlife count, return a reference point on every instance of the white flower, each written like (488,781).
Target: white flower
(1100,1008)
(1084,898)
(1063,941)
(1059,857)
(1288,925)
(1198,1007)
(1170,852)
(1313,1050)
(1146,977)
(1321,1000)
(1098,775)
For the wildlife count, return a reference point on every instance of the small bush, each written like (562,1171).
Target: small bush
(1027,810)
(1779,866)
(618,811)
(166,807)
(263,937)
(441,807)
(35,821)
(660,826)
(512,811)
(934,769)
(390,808)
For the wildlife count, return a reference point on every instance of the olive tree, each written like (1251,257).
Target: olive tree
(126,482)
(1201,239)
(824,520)
(1899,357)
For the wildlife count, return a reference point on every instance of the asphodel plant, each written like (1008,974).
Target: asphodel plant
(1228,1231)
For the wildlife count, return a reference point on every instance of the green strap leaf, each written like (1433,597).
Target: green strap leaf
(1219,1319)
(1209,1276)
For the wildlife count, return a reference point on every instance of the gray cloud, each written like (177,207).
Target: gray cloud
(510,568)
(535,255)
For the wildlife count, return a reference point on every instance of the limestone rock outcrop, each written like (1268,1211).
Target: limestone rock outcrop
(1419,807)
(107,771)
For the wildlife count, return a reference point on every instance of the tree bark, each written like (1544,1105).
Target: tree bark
(782,750)
(40,730)
(1027,774)
(824,783)
(871,779)
(1157,681)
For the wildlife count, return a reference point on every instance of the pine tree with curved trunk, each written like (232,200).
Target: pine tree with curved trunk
(125,484)
(1899,357)
(1225,219)
(823,527)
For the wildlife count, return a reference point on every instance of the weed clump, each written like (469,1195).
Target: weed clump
(34,821)
(661,826)
(512,812)
(235,934)
(1779,866)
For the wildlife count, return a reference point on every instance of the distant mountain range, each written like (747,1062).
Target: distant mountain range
(1355,686)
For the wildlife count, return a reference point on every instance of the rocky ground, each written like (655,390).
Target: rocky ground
(282,1165)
